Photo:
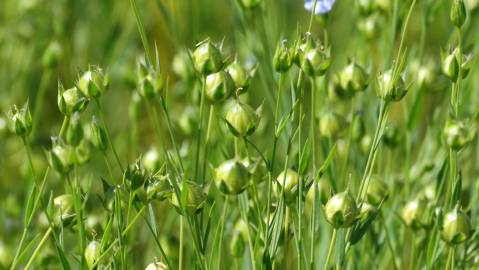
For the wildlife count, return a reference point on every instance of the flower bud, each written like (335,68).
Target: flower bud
(150,83)
(283,57)
(458,13)
(324,191)
(288,182)
(256,167)
(74,133)
(157,266)
(353,78)
(391,137)
(456,227)
(457,134)
(158,188)
(207,58)
(151,160)
(413,214)
(182,66)
(219,86)
(93,83)
(92,253)
(134,176)
(20,120)
(377,190)
(315,61)
(450,65)
(70,100)
(52,55)
(188,121)
(370,26)
(64,213)
(195,199)
(241,119)
(62,156)
(331,125)
(231,177)
(98,135)
(82,152)
(341,210)
(241,77)
(389,89)
(250,3)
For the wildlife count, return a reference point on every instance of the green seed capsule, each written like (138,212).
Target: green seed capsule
(52,55)
(157,266)
(70,100)
(219,86)
(331,125)
(241,119)
(315,61)
(158,188)
(456,227)
(150,83)
(283,57)
(92,254)
(458,13)
(207,58)
(74,133)
(413,214)
(231,177)
(20,120)
(388,89)
(182,66)
(64,213)
(288,181)
(366,211)
(195,199)
(135,176)
(241,77)
(377,190)
(62,156)
(341,210)
(323,188)
(256,168)
(93,83)
(457,134)
(151,160)
(98,135)
(353,78)
(450,65)
(82,152)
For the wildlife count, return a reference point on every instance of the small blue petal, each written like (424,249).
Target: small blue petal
(322,6)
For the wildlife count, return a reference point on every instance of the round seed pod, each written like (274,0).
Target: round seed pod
(353,78)
(158,188)
(390,90)
(135,176)
(207,58)
(458,13)
(182,66)
(366,211)
(74,133)
(457,134)
(82,152)
(241,119)
(283,57)
(324,191)
(93,82)
(195,199)
(150,83)
(92,253)
(256,167)
(20,120)
(287,181)
(98,137)
(377,190)
(62,156)
(157,266)
(315,61)
(450,65)
(241,77)
(456,227)
(231,177)
(63,210)
(413,214)
(341,210)
(331,125)
(151,160)
(219,86)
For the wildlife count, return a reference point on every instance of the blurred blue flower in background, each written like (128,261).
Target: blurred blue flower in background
(322,6)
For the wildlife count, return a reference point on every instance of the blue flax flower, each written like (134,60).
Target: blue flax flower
(322,6)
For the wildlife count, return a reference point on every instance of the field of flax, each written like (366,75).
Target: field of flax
(239,134)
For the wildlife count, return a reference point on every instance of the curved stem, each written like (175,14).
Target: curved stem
(38,248)
(330,250)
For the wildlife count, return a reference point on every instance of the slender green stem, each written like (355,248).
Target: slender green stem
(207,140)
(450,259)
(312,16)
(40,100)
(330,250)
(38,248)
(200,127)
(182,239)
(141,29)
(389,242)
(107,131)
